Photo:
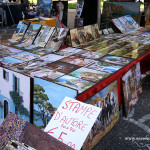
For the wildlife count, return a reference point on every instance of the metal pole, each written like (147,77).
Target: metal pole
(10,13)
(99,12)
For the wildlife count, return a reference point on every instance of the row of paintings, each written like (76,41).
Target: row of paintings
(40,36)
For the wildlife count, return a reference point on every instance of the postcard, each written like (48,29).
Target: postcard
(31,33)
(89,74)
(88,32)
(43,36)
(104,66)
(76,60)
(62,67)
(75,83)
(20,30)
(74,37)
(92,48)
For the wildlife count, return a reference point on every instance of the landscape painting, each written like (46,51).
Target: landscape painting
(107,99)
(47,98)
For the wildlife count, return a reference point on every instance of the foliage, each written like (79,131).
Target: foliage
(17,99)
(1,105)
(41,100)
(72,5)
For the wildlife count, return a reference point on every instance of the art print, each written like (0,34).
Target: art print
(76,61)
(60,13)
(75,83)
(104,66)
(43,36)
(119,25)
(45,73)
(107,99)
(48,96)
(15,95)
(20,30)
(131,87)
(31,33)
(68,51)
(116,60)
(62,67)
(81,35)
(74,37)
(43,8)
(95,31)
(88,33)
(25,56)
(89,74)
(57,38)
(89,54)
(9,61)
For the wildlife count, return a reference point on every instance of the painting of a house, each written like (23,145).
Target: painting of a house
(14,94)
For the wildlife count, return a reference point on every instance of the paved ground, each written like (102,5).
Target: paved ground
(132,133)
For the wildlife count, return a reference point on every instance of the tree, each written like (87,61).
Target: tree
(41,100)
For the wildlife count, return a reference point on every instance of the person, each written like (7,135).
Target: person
(59,14)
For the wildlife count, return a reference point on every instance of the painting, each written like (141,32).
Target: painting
(48,96)
(68,51)
(89,74)
(43,36)
(20,30)
(57,38)
(119,25)
(74,37)
(81,35)
(43,8)
(75,83)
(107,99)
(95,31)
(89,54)
(31,33)
(60,13)
(88,33)
(131,86)
(147,14)
(63,67)
(104,66)
(45,73)
(117,60)
(15,95)
(76,60)
(113,10)
(25,56)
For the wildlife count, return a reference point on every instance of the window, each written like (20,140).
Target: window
(5,108)
(5,75)
(16,84)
